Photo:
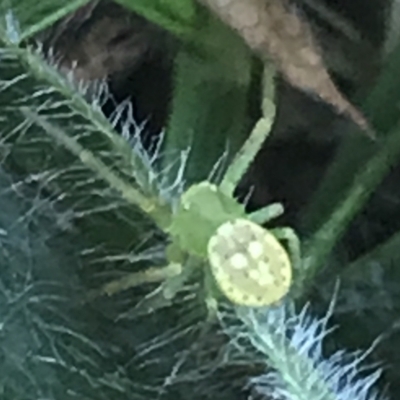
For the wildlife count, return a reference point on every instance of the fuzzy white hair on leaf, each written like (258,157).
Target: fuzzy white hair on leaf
(297,368)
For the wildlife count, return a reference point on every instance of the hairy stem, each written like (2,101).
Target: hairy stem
(159,213)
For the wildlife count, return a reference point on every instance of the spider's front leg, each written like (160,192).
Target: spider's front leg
(162,296)
(173,278)
(135,279)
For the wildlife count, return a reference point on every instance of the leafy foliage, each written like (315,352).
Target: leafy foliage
(115,195)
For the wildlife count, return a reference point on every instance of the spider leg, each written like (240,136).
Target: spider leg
(293,242)
(162,296)
(153,301)
(266,213)
(245,156)
(209,297)
(150,275)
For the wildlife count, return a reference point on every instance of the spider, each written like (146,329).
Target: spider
(242,262)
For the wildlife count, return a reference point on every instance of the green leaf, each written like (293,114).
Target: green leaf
(23,19)
(176,16)
(211,100)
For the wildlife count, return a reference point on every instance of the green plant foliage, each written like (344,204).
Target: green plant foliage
(210,100)
(115,196)
(176,16)
(24,19)
(359,168)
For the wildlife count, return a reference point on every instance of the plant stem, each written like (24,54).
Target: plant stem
(51,19)
(158,212)
(382,108)
(387,255)
(175,16)
(210,102)
(318,247)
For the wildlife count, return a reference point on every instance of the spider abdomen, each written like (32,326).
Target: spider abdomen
(249,264)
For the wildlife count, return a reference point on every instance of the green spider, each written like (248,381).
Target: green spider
(211,232)
(243,262)
(248,264)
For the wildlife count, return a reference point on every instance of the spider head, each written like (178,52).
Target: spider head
(202,209)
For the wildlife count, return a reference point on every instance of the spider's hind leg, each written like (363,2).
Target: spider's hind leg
(293,244)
